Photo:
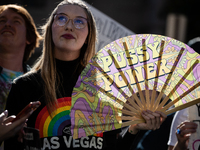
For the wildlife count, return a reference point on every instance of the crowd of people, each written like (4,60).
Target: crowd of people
(68,40)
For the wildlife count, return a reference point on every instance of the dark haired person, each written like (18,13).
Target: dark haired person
(18,39)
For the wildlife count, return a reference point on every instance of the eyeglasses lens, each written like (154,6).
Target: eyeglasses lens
(78,23)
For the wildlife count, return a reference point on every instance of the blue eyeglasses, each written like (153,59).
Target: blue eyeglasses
(62,19)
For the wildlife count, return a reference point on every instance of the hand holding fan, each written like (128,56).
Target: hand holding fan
(133,74)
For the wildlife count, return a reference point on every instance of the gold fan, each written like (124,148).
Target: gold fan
(132,74)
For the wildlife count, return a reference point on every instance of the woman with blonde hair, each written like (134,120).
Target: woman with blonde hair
(69,43)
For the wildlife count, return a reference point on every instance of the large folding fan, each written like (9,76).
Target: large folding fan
(131,74)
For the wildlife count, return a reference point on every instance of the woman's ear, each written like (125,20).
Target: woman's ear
(86,40)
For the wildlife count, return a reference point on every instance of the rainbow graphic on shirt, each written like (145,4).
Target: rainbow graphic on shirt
(54,126)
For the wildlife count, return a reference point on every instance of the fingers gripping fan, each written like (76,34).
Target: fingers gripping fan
(132,74)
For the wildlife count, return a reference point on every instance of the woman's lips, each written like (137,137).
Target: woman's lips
(68,36)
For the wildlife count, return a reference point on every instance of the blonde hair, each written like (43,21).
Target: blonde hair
(32,35)
(46,62)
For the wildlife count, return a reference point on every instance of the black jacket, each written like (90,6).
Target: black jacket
(30,88)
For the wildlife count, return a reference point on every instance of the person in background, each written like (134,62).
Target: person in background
(179,140)
(179,117)
(183,132)
(18,39)
(69,43)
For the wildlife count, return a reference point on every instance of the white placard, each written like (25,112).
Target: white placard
(108,29)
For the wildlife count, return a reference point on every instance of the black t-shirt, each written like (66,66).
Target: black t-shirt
(55,132)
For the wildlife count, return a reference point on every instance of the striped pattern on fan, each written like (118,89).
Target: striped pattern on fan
(131,74)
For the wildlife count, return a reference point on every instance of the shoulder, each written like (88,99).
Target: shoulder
(26,68)
(29,85)
(26,88)
(28,78)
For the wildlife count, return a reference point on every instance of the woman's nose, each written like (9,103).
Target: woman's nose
(69,25)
